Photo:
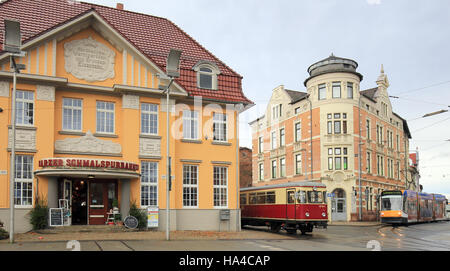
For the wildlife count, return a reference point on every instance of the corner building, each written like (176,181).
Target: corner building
(314,135)
(91,118)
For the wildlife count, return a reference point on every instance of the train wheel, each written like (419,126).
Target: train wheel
(275,227)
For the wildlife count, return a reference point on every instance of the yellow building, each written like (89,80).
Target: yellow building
(91,118)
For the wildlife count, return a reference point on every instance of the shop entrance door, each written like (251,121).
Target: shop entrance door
(338,206)
(79,202)
(101,197)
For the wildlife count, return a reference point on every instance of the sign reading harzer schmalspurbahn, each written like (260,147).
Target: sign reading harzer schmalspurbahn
(87,163)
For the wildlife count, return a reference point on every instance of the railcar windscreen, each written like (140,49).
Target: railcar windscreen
(315,197)
(389,203)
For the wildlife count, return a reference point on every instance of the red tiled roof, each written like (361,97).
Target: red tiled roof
(153,36)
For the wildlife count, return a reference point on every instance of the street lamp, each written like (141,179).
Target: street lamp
(12,43)
(172,72)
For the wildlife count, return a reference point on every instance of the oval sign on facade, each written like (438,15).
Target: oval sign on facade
(89,60)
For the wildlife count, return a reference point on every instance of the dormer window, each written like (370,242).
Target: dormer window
(206,74)
(205,78)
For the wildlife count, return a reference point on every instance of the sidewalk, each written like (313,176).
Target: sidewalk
(104,233)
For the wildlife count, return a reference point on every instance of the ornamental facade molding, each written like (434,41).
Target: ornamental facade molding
(87,144)
(89,60)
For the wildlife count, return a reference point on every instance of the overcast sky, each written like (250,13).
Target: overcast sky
(272,43)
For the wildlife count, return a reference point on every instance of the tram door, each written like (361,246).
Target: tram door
(290,204)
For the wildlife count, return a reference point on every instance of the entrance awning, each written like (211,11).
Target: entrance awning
(80,173)
(88,168)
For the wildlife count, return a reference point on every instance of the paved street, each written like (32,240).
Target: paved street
(418,237)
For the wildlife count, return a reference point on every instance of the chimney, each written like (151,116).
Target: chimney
(119,6)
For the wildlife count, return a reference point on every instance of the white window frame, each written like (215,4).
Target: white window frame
(25,102)
(220,127)
(273,169)
(191,118)
(190,185)
(282,137)
(149,179)
(72,108)
(215,71)
(261,171)
(298,132)
(149,110)
(298,163)
(276,111)
(220,186)
(105,112)
(260,144)
(282,167)
(273,140)
(322,96)
(349,90)
(19,170)
(334,87)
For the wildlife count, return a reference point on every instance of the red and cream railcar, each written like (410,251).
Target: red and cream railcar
(292,206)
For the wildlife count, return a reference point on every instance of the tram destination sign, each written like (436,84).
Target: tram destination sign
(391,193)
(87,163)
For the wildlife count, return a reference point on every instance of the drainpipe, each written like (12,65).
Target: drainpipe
(238,217)
(359,159)
(311,134)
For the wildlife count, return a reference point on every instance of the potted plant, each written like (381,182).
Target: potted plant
(39,215)
(3,233)
(115,205)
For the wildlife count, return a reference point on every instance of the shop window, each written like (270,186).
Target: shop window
(149,184)
(220,186)
(23,181)
(190,186)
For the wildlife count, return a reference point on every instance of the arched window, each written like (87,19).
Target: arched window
(206,74)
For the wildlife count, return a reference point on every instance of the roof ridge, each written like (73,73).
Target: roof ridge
(174,24)
(201,46)
(121,10)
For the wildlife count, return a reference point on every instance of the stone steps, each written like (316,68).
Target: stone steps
(85,228)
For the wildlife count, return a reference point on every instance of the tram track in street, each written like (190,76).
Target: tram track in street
(406,240)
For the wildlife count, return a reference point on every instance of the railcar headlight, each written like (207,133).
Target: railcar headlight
(307,214)
(324,214)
